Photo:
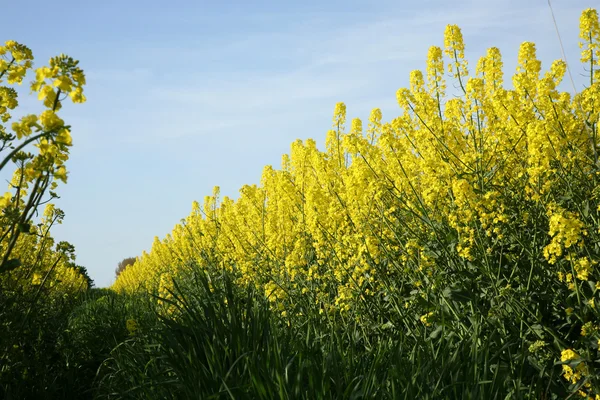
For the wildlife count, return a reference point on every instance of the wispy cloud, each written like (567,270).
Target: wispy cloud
(325,63)
(119,75)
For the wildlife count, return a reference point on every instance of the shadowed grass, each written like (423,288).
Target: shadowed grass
(218,341)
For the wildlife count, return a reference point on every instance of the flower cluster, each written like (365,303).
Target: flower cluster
(493,192)
(30,260)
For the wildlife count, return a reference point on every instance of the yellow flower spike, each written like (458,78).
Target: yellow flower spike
(49,210)
(589,33)
(435,72)
(21,62)
(65,76)
(50,121)
(374,129)
(569,311)
(557,71)
(19,51)
(588,328)
(31,172)
(339,116)
(43,73)
(416,81)
(64,137)
(14,76)
(356,127)
(77,95)
(566,230)
(425,319)
(36,279)
(44,92)
(527,60)
(453,42)
(47,148)
(8,98)
(528,70)
(61,174)
(79,78)
(23,128)
(64,83)
(454,48)
(568,354)
(5,200)
(583,268)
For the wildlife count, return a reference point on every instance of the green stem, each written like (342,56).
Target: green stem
(7,68)
(22,145)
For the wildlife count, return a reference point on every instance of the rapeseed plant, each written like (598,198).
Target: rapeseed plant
(474,215)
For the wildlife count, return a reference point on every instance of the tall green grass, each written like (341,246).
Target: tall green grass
(218,341)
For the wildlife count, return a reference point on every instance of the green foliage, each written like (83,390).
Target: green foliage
(217,340)
(31,364)
(210,338)
(57,350)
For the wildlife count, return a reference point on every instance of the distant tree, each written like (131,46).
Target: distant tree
(124,264)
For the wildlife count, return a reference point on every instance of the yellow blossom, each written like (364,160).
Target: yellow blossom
(132,326)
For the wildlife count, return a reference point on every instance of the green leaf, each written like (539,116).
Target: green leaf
(24,227)
(10,265)
(458,294)
(436,332)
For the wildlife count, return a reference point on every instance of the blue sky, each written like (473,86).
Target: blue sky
(186,95)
